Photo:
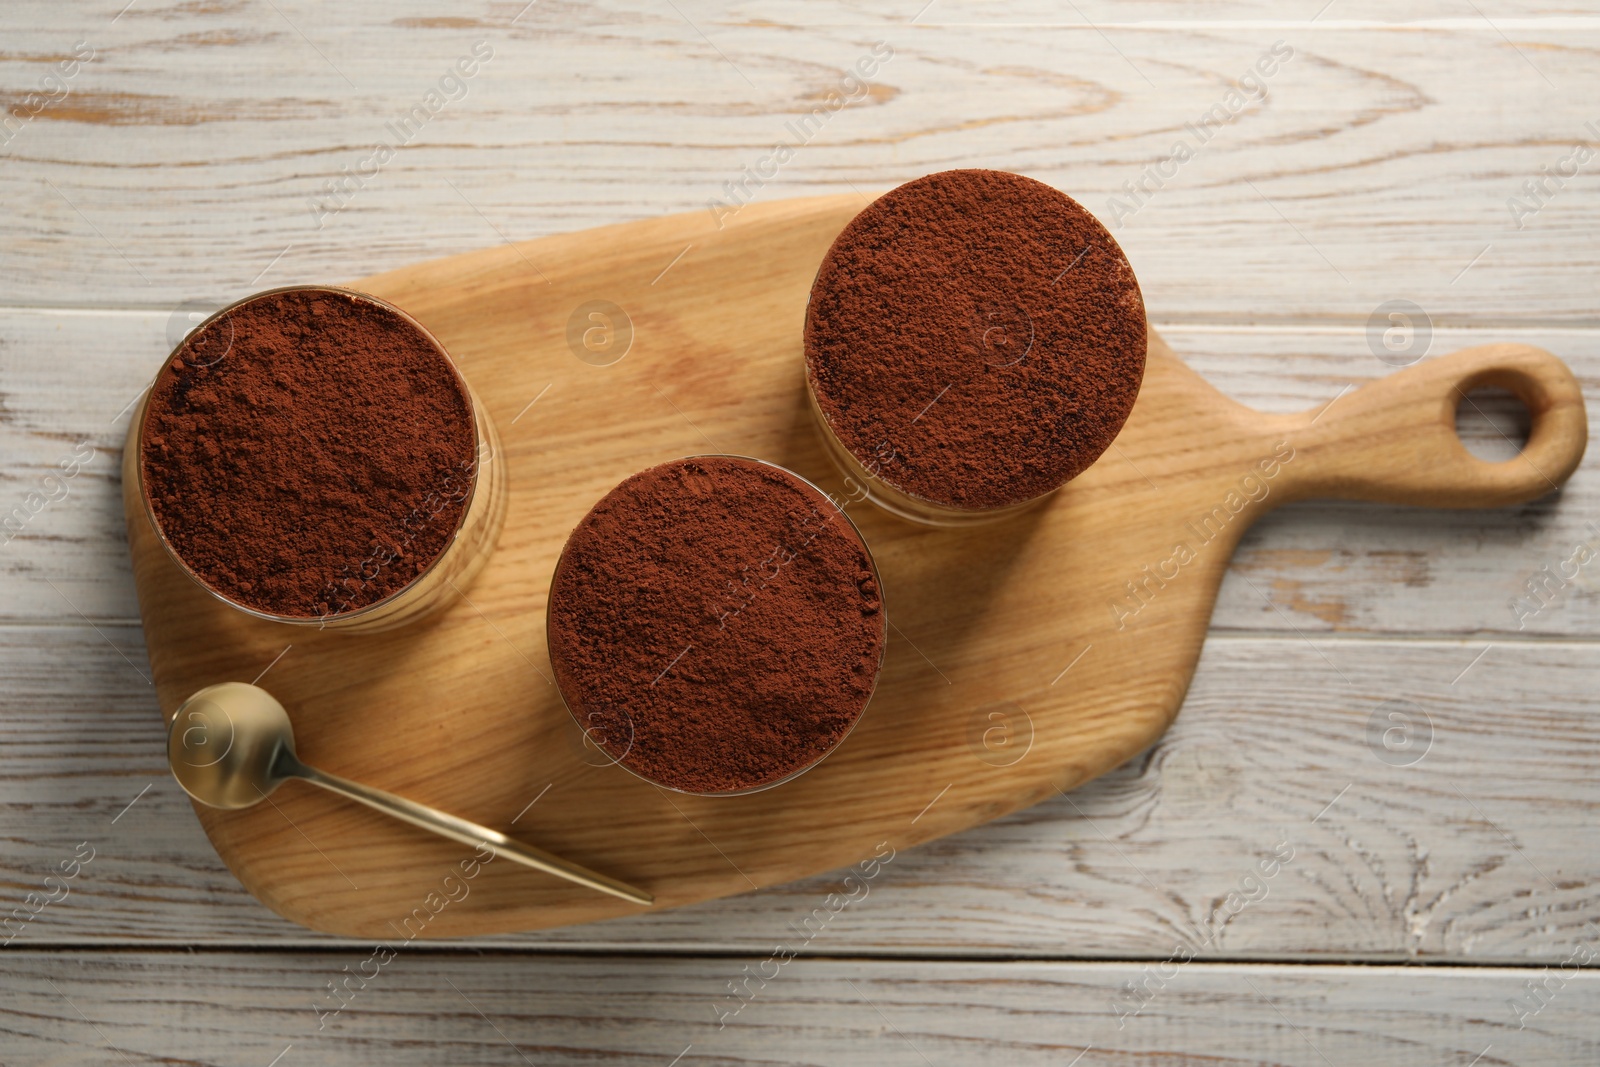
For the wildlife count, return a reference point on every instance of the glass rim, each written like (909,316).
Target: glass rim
(335,617)
(877,673)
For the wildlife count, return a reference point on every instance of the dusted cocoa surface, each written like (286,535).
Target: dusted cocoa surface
(975,338)
(715,624)
(308,452)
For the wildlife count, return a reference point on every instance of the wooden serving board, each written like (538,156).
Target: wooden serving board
(1021,661)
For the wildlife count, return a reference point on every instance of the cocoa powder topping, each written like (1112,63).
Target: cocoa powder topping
(975,338)
(715,624)
(308,452)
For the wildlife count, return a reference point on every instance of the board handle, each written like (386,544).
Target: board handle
(1394,440)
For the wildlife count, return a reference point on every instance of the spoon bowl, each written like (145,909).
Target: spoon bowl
(232,744)
(228,745)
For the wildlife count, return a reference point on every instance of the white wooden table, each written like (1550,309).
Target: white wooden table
(1437,870)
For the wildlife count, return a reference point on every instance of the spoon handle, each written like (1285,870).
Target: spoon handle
(470,833)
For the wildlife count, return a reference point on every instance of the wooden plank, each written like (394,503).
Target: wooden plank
(1444,860)
(69,378)
(1377,167)
(70,383)
(428,1008)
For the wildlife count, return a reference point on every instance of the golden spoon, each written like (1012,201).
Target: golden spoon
(230,745)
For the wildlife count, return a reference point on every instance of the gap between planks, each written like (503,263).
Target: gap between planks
(1348,638)
(1330,325)
(468,947)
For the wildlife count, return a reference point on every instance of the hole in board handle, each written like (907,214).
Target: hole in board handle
(1493,423)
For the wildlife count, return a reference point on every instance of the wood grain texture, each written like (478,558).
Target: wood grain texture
(184,166)
(1445,860)
(69,378)
(428,1008)
(1381,165)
